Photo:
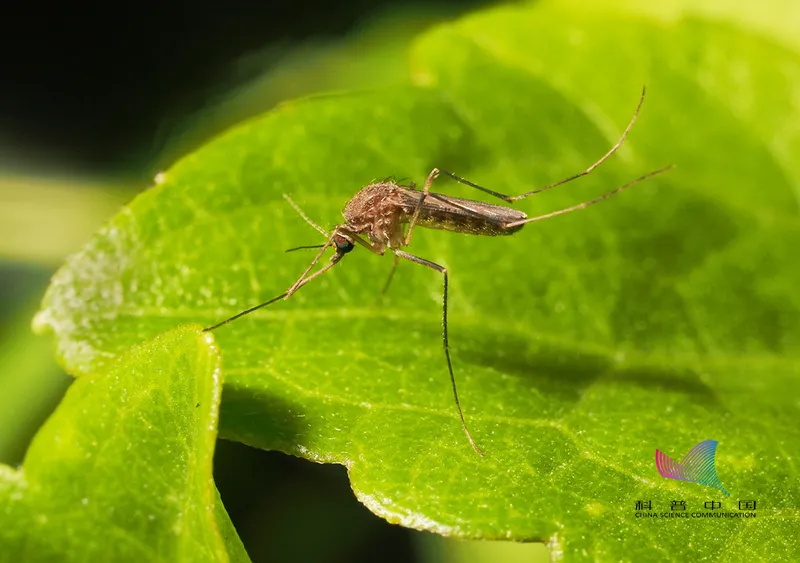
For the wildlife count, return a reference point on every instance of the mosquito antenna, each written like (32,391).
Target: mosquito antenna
(319,229)
(597,163)
(598,199)
(304,247)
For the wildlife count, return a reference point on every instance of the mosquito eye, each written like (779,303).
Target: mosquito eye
(343,245)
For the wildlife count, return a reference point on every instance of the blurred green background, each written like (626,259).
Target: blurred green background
(93,104)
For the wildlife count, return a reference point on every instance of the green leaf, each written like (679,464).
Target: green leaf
(665,316)
(122,470)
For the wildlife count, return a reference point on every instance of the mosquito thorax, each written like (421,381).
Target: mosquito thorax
(371,203)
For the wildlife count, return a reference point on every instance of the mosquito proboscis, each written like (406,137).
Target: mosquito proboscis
(382,216)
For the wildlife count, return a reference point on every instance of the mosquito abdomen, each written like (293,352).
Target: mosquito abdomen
(448,213)
(461,222)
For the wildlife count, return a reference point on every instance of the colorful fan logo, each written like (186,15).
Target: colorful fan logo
(697,466)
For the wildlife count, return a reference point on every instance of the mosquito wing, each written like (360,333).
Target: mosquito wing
(448,213)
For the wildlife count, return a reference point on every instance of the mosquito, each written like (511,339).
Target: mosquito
(382,216)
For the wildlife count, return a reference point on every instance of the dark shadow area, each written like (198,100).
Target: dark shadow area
(101,87)
(244,408)
(706,228)
(677,380)
(287,509)
(557,371)
(564,373)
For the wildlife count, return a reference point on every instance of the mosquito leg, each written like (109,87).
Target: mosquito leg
(442,270)
(301,281)
(285,295)
(391,276)
(425,191)
(296,285)
(512,198)
(246,312)
(585,204)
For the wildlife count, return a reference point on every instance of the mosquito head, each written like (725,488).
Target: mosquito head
(343,243)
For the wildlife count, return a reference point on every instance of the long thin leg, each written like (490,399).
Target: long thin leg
(301,281)
(509,199)
(246,312)
(442,270)
(598,199)
(425,191)
(391,276)
(358,239)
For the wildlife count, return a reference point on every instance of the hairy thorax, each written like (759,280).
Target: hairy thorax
(378,211)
